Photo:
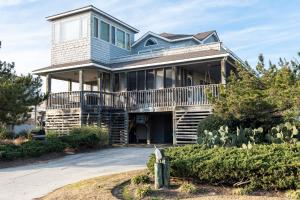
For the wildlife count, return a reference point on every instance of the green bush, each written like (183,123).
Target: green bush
(5,134)
(143,191)
(210,123)
(101,133)
(140,179)
(275,166)
(188,188)
(293,194)
(55,143)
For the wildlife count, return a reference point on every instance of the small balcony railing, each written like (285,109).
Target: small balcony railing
(154,98)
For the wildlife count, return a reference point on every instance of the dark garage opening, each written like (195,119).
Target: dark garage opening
(154,128)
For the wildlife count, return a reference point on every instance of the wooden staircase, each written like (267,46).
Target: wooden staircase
(186,123)
(115,120)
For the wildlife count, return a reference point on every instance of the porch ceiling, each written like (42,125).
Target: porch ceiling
(90,75)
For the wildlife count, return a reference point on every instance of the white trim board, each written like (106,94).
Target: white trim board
(130,67)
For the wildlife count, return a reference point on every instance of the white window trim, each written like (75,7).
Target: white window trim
(93,35)
(153,39)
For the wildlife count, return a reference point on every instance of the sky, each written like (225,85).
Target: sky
(247,27)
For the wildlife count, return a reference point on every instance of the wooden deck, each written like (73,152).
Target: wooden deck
(189,105)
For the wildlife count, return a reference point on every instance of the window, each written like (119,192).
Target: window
(150,42)
(168,77)
(117,83)
(120,38)
(96,27)
(141,80)
(122,81)
(104,31)
(150,79)
(159,83)
(127,41)
(70,30)
(131,81)
(113,35)
(189,80)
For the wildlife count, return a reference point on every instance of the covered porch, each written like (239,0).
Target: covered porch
(145,90)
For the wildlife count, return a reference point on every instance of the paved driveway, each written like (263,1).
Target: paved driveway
(31,181)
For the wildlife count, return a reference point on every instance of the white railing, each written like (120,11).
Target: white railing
(168,97)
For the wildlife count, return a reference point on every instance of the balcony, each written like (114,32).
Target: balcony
(135,100)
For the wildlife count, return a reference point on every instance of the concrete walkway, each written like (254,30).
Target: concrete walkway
(32,181)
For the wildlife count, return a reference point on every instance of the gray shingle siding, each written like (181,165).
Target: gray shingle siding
(161,44)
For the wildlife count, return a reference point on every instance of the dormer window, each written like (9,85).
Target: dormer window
(150,42)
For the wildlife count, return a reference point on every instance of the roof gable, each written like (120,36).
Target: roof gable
(168,38)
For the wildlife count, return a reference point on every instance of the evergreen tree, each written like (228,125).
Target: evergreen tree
(257,97)
(17,94)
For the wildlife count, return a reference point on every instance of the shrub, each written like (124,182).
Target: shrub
(140,179)
(210,123)
(241,191)
(246,137)
(5,134)
(188,188)
(293,194)
(88,138)
(275,166)
(143,191)
(101,133)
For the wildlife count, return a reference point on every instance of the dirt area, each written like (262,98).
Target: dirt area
(203,191)
(115,186)
(99,188)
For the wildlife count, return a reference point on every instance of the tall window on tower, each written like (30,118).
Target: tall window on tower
(96,27)
(104,31)
(120,39)
(71,29)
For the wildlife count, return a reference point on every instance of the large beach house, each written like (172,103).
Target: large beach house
(148,90)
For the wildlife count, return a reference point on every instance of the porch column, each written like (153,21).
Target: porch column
(69,85)
(81,80)
(48,83)
(223,71)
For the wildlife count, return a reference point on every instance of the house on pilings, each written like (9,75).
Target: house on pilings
(150,90)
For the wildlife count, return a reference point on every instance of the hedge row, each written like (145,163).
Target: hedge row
(265,167)
(80,138)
